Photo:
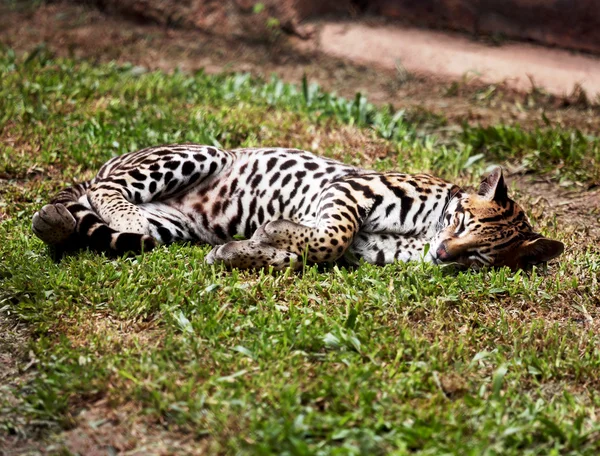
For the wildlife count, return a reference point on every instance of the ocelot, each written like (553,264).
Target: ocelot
(289,206)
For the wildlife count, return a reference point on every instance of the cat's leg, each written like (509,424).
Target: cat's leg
(340,213)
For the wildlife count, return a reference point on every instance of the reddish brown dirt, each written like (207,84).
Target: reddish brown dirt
(575,210)
(104,429)
(453,55)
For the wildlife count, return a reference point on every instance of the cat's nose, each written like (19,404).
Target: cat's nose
(441,252)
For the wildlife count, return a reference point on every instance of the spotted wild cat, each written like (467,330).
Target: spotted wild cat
(288,203)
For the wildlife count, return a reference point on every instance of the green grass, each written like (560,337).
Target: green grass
(562,154)
(407,358)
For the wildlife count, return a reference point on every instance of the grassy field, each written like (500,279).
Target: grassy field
(167,354)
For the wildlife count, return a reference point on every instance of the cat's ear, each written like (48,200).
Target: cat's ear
(540,250)
(493,187)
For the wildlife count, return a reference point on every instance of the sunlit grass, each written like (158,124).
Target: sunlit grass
(370,360)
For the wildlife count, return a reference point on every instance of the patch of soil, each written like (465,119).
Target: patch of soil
(15,371)
(13,343)
(579,210)
(84,32)
(104,429)
(453,55)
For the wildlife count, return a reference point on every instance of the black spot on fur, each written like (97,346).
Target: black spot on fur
(100,238)
(137,175)
(87,221)
(389,209)
(216,208)
(300,175)
(220,232)
(188,168)
(77,208)
(271,163)
(170,186)
(165,234)
(194,178)
(288,164)
(172,165)
(274,178)
(256,181)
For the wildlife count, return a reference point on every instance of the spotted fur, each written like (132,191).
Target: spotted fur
(289,205)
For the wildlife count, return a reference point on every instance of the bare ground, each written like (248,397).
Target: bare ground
(16,363)
(452,55)
(81,32)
